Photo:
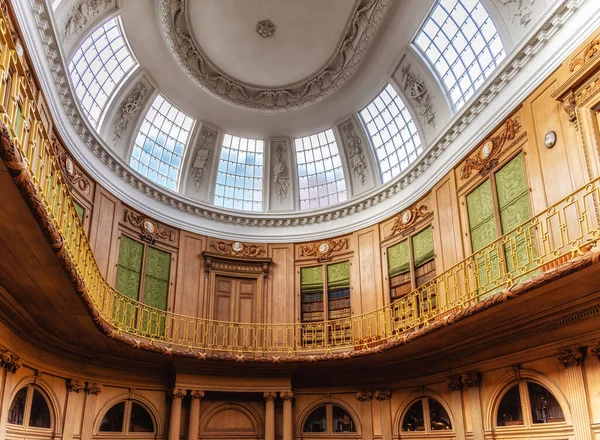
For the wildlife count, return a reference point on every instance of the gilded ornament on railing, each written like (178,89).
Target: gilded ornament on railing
(407,218)
(323,249)
(10,361)
(487,156)
(570,358)
(590,51)
(150,230)
(68,168)
(237,249)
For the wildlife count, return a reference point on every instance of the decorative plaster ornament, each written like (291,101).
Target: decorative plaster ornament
(519,10)
(353,144)
(418,93)
(206,142)
(265,28)
(80,15)
(281,174)
(129,108)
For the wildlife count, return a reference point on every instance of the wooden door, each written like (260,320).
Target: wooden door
(235,301)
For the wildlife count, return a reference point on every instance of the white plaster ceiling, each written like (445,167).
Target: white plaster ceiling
(307,33)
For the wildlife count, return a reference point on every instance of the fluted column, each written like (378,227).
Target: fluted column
(269,415)
(472,380)
(288,418)
(74,401)
(194,421)
(454,383)
(572,360)
(92,390)
(175,421)
(385,408)
(9,364)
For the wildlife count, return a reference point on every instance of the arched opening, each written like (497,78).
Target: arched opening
(30,411)
(527,403)
(330,419)
(127,417)
(427,416)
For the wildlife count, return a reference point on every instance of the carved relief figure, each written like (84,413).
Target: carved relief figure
(281,175)
(519,10)
(418,93)
(203,155)
(129,108)
(80,15)
(353,144)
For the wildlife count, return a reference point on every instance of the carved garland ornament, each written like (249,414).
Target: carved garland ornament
(487,157)
(407,218)
(590,51)
(73,175)
(80,15)
(323,249)
(206,144)
(519,10)
(354,149)
(359,30)
(129,108)
(418,93)
(150,230)
(237,249)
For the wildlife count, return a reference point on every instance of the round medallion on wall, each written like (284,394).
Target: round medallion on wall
(550,139)
(237,247)
(406,217)
(19,49)
(486,150)
(324,247)
(149,227)
(69,166)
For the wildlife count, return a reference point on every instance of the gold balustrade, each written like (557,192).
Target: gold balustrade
(558,233)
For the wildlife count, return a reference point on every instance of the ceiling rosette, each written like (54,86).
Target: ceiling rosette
(362,25)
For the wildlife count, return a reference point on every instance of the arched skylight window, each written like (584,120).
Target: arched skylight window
(461,42)
(320,172)
(393,133)
(240,175)
(160,143)
(97,67)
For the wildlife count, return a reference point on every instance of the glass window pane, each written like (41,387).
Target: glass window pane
(457,34)
(113,420)
(413,419)
(241,170)
(321,163)
(509,411)
(544,406)
(98,66)
(342,421)
(39,416)
(140,421)
(385,131)
(164,136)
(438,416)
(317,420)
(17,408)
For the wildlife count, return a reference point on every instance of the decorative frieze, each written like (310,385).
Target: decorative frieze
(519,11)
(10,361)
(571,357)
(364,396)
(204,148)
(417,91)
(75,385)
(129,108)
(323,249)
(281,171)
(487,156)
(354,150)
(150,230)
(408,218)
(589,52)
(237,249)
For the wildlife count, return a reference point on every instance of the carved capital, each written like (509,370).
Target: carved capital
(75,385)
(471,379)
(286,395)
(177,393)
(364,396)
(10,361)
(196,394)
(571,357)
(594,351)
(569,105)
(93,388)
(270,396)
(454,382)
(382,394)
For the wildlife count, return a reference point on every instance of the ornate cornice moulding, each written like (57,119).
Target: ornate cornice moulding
(362,25)
(57,88)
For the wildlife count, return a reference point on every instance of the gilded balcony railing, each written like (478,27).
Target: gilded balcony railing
(560,232)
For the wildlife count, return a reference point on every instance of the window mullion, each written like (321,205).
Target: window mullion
(525,405)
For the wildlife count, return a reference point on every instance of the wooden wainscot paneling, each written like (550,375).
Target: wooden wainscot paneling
(81,185)
(103,230)
(446,225)
(190,294)
(281,301)
(367,287)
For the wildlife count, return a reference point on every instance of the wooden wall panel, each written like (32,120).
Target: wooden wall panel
(446,224)
(189,294)
(556,172)
(281,296)
(102,235)
(365,279)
